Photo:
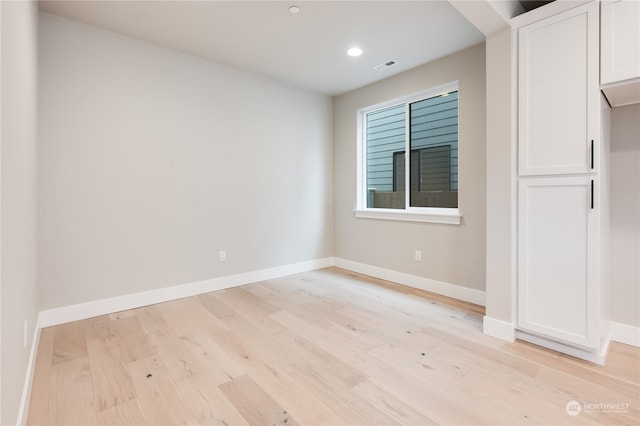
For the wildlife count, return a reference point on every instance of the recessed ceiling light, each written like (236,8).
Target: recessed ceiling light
(354,51)
(294,9)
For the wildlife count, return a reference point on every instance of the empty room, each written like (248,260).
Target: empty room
(204,214)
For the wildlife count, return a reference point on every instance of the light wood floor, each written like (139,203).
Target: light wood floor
(325,347)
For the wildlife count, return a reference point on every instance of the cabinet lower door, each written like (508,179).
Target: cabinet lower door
(558,269)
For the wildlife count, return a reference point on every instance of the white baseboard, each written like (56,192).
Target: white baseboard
(624,333)
(497,328)
(31,365)
(445,289)
(95,308)
(81,311)
(597,356)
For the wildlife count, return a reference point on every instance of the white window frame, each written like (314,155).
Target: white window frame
(409,213)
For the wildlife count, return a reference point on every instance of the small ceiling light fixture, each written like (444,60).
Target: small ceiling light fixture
(294,9)
(354,51)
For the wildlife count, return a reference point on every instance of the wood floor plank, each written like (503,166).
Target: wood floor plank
(244,341)
(254,404)
(283,293)
(125,414)
(180,362)
(326,347)
(184,316)
(322,362)
(121,315)
(40,387)
(136,341)
(565,365)
(301,404)
(241,300)
(202,395)
(213,304)
(245,301)
(70,341)
(220,366)
(427,397)
(157,396)
(351,408)
(622,363)
(150,319)
(98,327)
(71,396)
(270,371)
(111,381)
(390,404)
(300,326)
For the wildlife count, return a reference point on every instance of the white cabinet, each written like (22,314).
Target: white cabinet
(558,93)
(558,244)
(620,51)
(560,161)
(620,40)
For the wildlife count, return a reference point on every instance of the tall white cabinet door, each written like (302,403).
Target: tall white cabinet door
(558,289)
(558,93)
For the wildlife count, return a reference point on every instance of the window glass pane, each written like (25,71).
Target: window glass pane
(385,138)
(434,151)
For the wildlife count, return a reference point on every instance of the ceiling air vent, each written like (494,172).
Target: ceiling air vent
(384,65)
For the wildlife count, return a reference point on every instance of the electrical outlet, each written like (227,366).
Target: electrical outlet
(222,255)
(418,255)
(25,331)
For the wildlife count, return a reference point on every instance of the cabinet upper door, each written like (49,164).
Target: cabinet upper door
(620,40)
(558,93)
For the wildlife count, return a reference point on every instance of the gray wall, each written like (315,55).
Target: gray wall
(625,215)
(500,252)
(151,161)
(453,254)
(18,198)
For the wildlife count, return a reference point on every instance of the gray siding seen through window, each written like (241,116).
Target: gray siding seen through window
(385,136)
(433,127)
(434,123)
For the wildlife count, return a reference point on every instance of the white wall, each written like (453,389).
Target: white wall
(151,161)
(451,254)
(625,215)
(18,198)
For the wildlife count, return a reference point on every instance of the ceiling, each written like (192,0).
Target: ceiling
(307,49)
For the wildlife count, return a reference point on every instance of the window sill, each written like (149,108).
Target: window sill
(435,215)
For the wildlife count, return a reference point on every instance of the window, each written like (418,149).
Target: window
(426,126)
